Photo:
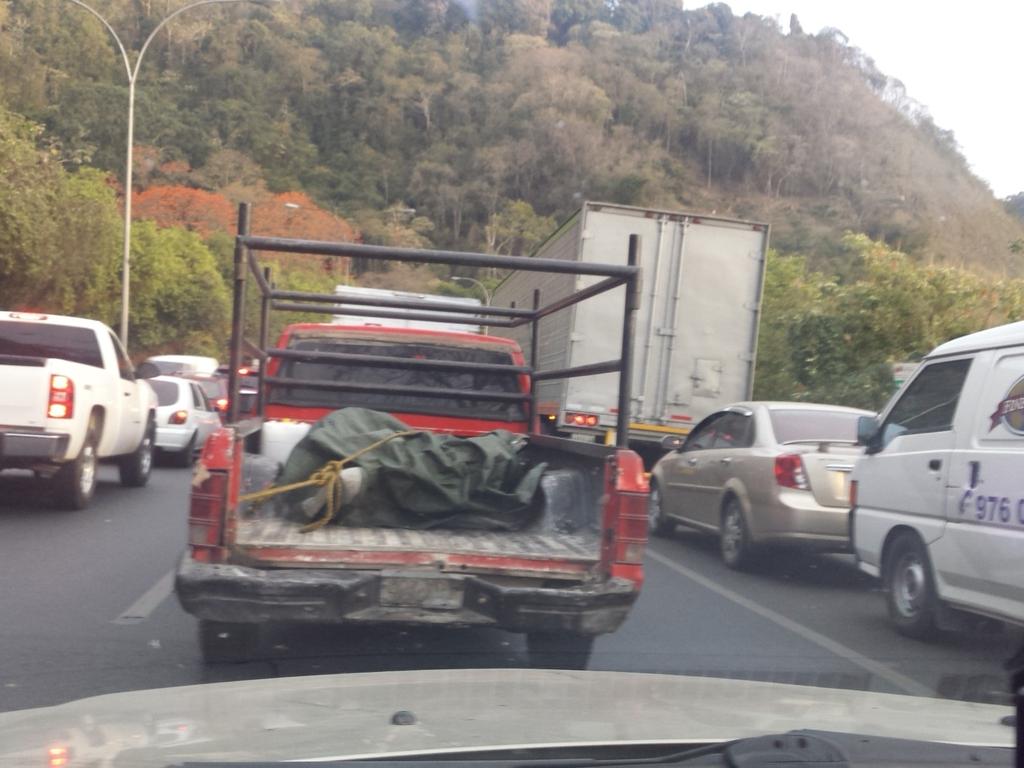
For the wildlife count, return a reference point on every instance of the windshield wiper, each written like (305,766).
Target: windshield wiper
(786,749)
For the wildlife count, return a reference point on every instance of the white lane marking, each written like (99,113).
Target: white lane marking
(139,610)
(897,679)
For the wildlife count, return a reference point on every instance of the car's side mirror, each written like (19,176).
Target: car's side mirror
(868,433)
(146,371)
(672,442)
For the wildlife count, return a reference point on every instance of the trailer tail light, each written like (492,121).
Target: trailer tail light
(789,471)
(178,417)
(206,517)
(581,419)
(62,397)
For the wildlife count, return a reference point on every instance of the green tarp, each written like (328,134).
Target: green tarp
(424,480)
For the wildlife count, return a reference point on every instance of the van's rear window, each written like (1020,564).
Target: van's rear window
(424,380)
(61,342)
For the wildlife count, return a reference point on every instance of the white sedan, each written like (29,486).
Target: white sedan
(184,417)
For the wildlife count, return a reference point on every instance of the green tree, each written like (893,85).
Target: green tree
(517,229)
(180,302)
(59,232)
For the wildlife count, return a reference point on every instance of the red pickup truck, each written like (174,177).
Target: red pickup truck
(571,573)
(494,365)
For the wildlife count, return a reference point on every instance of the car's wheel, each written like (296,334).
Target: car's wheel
(75,481)
(559,650)
(734,538)
(910,587)
(227,642)
(187,456)
(658,524)
(136,466)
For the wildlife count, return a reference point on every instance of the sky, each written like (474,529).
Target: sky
(961,61)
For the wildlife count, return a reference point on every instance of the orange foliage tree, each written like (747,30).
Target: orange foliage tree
(293,214)
(193,209)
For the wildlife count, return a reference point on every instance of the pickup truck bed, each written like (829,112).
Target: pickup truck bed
(573,550)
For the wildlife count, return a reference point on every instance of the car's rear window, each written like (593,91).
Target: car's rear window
(168,368)
(42,339)
(794,425)
(166,392)
(214,388)
(424,380)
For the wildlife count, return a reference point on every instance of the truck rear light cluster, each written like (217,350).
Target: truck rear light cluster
(631,536)
(206,517)
(581,419)
(57,757)
(178,417)
(626,518)
(62,397)
(789,471)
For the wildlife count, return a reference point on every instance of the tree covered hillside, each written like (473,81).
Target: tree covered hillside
(455,113)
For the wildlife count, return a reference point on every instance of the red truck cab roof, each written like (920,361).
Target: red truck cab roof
(420,410)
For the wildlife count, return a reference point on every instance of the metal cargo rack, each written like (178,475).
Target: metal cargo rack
(246,266)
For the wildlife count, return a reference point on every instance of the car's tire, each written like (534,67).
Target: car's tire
(134,469)
(734,537)
(910,587)
(223,642)
(559,650)
(658,524)
(186,458)
(75,482)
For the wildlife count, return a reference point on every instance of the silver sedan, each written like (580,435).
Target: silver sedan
(760,473)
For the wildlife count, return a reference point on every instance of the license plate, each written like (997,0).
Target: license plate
(426,591)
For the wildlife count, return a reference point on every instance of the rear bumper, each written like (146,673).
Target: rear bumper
(173,438)
(795,518)
(23,447)
(236,593)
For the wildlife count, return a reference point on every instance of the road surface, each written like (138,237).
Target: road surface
(86,607)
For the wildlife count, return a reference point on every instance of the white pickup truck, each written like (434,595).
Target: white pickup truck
(68,398)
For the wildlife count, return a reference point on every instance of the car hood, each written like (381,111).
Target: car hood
(354,715)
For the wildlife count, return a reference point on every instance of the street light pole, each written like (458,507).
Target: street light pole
(487,294)
(133,74)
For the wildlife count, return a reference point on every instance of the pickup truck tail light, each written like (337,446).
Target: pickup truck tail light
(206,517)
(626,517)
(62,397)
(789,471)
(631,537)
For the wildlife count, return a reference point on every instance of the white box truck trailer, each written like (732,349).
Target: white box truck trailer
(362,297)
(696,334)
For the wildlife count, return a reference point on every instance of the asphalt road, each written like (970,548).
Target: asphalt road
(86,608)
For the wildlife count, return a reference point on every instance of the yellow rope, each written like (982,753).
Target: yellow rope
(325,477)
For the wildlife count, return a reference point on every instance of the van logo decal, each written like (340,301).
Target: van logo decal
(1010,410)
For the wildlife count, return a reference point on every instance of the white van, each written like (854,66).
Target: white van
(938,497)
